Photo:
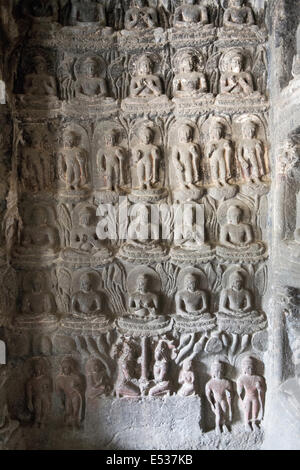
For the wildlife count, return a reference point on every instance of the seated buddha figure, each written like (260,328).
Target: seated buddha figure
(236,236)
(38,238)
(87,303)
(190,14)
(145,86)
(190,81)
(140,16)
(84,240)
(38,303)
(235,81)
(191,302)
(90,85)
(41,11)
(236,310)
(87,12)
(39,86)
(238,16)
(143,304)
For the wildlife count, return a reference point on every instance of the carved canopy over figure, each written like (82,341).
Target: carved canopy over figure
(251,389)
(237,236)
(190,81)
(191,302)
(250,153)
(91,82)
(219,151)
(69,385)
(237,313)
(143,303)
(87,303)
(146,158)
(110,161)
(191,14)
(162,357)
(38,302)
(87,11)
(39,85)
(125,386)
(186,158)
(238,15)
(39,393)
(41,10)
(235,80)
(144,84)
(140,16)
(72,161)
(39,237)
(219,393)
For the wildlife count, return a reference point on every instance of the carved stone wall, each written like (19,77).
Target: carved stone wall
(150,232)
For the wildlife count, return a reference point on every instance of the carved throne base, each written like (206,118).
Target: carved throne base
(39,322)
(191,254)
(252,252)
(143,254)
(148,195)
(187,195)
(202,323)
(253,322)
(255,189)
(80,326)
(78,259)
(227,191)
(143,327)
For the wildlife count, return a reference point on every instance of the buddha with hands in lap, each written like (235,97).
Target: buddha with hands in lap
(190,14)
(38,304)
(87,12)
(189,82)
(41,11)
(39,237)
(191,302)
(39,86)
(143,303)
(236,301)
(90,85)
(87,304)
(238,16)
(236,236)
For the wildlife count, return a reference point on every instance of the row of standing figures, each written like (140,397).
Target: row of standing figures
(249,155)
(70,386)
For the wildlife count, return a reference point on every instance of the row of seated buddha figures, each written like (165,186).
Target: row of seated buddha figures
(216,157)
(77,389)
(88,300)
(84,238)
(141,15)
(232,75)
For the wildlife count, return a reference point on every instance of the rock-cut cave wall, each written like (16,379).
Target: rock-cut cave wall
(150,227)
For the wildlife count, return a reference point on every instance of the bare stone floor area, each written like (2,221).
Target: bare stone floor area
(149,224)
